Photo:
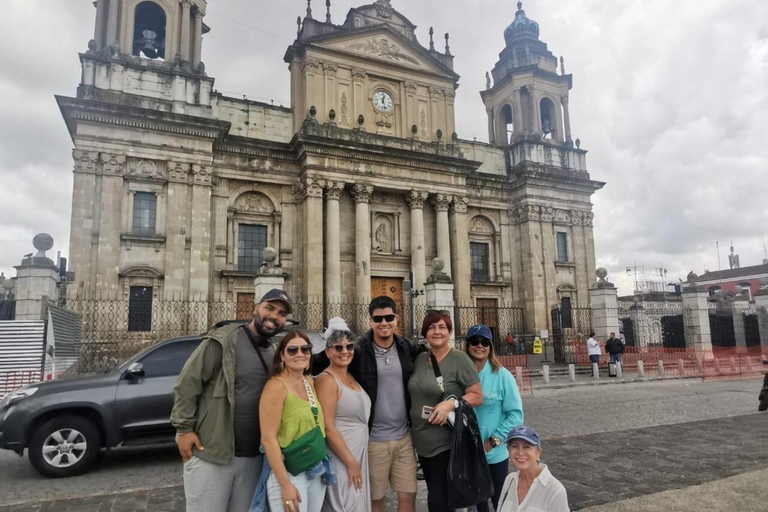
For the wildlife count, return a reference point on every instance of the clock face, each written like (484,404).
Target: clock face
(382,101)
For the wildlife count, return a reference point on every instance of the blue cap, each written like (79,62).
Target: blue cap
(525,433)
(479,330)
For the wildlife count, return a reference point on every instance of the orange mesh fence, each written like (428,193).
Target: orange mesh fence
(518,366)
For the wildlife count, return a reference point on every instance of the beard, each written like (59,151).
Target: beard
(264,331)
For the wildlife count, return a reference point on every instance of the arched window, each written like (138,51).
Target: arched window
(149,31)
(548,118)
(713,290)
(506,115)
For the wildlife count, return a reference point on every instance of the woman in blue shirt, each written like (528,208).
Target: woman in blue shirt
(502,408)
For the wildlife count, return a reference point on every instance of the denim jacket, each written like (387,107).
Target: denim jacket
(260,502)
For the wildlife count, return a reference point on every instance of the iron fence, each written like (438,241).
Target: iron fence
(652,324)
(570,330)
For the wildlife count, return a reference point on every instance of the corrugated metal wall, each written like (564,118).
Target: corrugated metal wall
(21,353)
(63,334)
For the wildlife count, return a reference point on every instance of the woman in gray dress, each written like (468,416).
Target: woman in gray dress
(346,408)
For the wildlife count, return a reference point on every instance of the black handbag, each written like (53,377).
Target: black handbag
(469,477)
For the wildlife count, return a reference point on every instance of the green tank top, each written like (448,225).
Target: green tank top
(297,417)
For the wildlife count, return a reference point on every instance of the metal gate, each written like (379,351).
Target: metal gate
(673,331)
(751,330)
(569,339)
(721,327)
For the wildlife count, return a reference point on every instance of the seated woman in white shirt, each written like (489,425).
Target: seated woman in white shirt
(531,488)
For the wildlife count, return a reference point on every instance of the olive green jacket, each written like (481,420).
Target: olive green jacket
(204,396)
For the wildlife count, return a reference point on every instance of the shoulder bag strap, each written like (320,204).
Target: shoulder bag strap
(438,375)
(256,348)
(311,398)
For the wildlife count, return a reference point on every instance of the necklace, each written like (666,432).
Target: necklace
(384,351)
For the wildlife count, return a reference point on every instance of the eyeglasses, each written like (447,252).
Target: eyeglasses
(377,319)
(438,311)
(293,350)
(479,341)
(350,347)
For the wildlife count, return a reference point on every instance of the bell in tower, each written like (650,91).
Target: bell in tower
(149,31)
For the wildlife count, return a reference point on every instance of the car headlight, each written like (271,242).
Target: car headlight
(19,394)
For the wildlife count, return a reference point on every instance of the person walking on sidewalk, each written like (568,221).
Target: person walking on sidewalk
(501,410)
(216,409)
(593,349)
(614,347)
(382,364)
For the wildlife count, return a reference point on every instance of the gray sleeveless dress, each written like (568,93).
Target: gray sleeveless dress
(352,412)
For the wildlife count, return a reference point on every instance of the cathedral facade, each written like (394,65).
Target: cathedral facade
(358,185)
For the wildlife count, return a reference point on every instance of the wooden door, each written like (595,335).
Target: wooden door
(245,305)
(487,313)
(392,288)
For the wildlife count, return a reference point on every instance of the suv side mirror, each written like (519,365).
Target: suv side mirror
(135,370)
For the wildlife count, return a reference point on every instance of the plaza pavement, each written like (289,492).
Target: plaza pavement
(602,472)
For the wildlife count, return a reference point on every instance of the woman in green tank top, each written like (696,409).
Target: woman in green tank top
(288,410)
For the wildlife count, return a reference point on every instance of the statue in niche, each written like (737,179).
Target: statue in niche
(383,241)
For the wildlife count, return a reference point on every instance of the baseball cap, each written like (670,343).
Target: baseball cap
(525,433)
(479,330)
(276,294)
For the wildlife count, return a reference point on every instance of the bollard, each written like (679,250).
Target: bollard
(572,372)
(699,367)
(519,374)
(681,367)
(545,368)
(733,365)
(640,369)
(661,368)
(595,371)
(717,366)
(619,370)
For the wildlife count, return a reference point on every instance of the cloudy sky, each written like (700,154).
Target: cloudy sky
(669,97)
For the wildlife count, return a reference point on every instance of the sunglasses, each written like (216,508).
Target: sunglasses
(377,319)
(350,347)
(479,341)
(294,349)
(438,311)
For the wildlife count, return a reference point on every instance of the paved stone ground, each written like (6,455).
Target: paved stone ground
(596,469)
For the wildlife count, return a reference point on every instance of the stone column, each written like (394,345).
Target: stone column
(112,169)
(517,112)
(441,202)
(491,126)
(603,296)
(198,38)
(112,16)
(362,194)
(696,318)
(200,236)
(186,22)
(457,220)
(333,191)
(566,118)
(98,35)
(416,200)
(312,191)
(36,282)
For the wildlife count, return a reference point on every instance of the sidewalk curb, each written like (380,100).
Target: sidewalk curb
(607,382)
(86,496)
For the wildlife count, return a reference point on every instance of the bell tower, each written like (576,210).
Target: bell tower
(152,29)
(528,96)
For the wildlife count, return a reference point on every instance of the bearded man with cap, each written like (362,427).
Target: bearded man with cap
(216,408)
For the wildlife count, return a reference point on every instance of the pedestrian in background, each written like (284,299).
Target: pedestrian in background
(531,488)
(440,377)
(593,349)
(501,410)
(511,345)
(615,348)
(346,408)
(216,409)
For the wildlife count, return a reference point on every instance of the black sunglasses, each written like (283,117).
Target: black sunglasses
(293,350)
(479,341)
(378,318)
(438,311)
(340,348)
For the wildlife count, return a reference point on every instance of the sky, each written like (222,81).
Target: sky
(670,98)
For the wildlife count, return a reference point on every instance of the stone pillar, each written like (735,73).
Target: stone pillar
(603,297)
(112,16)
(36,281)
(197,45)
(491,126)
(566,118)
(333,191)
(460,250)
(186,22)
(517,112)
(441,202)
(439,292)
(761,305)
(418,257)
(98,35)
(696,318)
(200,236)
(313,247)
(739,304)
(112,169)
(362,194)
(269,276)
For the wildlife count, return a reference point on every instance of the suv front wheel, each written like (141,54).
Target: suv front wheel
(64,446)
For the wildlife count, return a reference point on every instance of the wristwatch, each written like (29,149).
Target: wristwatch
(495,441)
(455,403)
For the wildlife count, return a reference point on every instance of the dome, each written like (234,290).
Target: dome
(521,25)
